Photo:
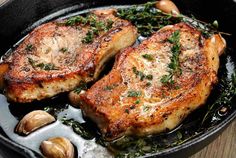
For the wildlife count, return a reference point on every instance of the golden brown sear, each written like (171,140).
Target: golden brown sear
(56,56)
(135,97)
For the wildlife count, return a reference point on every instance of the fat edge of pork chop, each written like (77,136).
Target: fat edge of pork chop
(123,103)
(64,58)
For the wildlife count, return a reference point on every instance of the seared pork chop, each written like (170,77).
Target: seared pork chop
(56,56)
(154,86)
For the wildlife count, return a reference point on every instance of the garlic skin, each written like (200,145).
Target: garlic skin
(167,6)
(57,147)
(33,121)
(74,98)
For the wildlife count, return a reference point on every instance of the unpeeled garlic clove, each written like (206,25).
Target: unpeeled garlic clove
(167,6)
(57,147)
(74,98)
(32,121)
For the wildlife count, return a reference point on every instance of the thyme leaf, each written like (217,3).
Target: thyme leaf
(82,86)
(174,64)
(29,47)
(96,26)
(141,75)
(137,101)
(148,57)
(43,66)
(110,87)
(134,93)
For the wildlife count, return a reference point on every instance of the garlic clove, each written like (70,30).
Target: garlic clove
(57,147)
(167,6)
(32,121)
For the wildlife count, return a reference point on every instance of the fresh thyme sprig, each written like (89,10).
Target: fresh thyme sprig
(149,19)
(96,26)
(174,64)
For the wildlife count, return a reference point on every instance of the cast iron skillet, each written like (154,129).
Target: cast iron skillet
(17,15)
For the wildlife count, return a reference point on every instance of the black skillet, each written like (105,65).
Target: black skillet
(18,17)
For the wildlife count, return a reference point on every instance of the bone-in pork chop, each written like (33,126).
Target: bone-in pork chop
(154,86)
(56,56)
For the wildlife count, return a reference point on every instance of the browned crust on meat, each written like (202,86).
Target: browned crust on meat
(169,104)
(25,83)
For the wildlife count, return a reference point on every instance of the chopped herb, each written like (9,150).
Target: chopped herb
(148,84)
(29,47)
(89,37)
(43,66)
(145,108)
(82,86)
(138,73)
(167,79)
(46,67)
(174,64)
(137,101)
(134,93)
(141,75)
(31,61)
(149,77)
(177,87)
(148,57)
(63,49)
(110,87)
(127,111)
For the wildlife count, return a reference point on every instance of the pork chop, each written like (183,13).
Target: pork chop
(155,85)
(56,56)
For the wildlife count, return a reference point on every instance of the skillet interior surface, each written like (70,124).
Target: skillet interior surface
(189,137)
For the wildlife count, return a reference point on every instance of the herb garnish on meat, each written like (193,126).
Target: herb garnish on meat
(82,86)
(174,64)
(63,50)
(43,66)
(148,57)
(110,87)
(29,47)
(141,75)
(96,26)
(134,93)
